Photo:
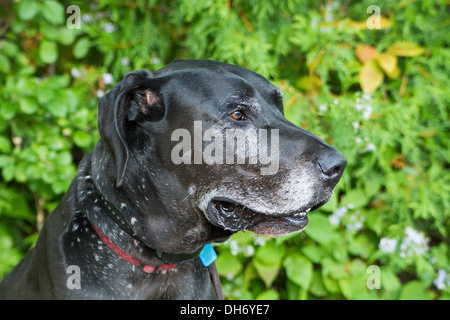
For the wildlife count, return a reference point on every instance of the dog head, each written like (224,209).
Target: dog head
(202,149)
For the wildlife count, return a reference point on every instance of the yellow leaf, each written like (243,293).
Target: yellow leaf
(370,77)
(362,25)
(385,22)
(305,82)
(387,62)
(364,52)
(428,134)
(405,49)
(357,25)
(395,73)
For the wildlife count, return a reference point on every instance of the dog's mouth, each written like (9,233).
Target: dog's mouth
(235,217)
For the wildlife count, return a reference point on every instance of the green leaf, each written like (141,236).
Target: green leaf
(331,204)
(227,264)
(317,287)
(65,36)
(354,288)
(7,163)
(61,186)
(335,269)
(49,177)
(82,139)
(81,48)
(5,66)
(330,284)
(375,222)
(415,290)
(373,184)
(10,49)
(58,106)
(53,11)
(267,272)
(20,172)
(49,31)
(58,81)
(268,295)
(314,252)
(319,228)
(356,198)
(19,205)
(45,95)
(267,262)
(440,255)
(8,110)
(299,269)
(60,110)
(280,240)
(361,246)
(339,251)
(27,9)
(28,105)
(5,144)
(48,51)
(270,253)
(389,281)
(64,159)
(346,288)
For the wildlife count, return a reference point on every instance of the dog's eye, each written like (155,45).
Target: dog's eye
(238,115)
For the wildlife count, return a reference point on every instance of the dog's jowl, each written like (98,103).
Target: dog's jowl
(187,156)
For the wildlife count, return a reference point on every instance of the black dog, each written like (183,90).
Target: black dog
(188,155)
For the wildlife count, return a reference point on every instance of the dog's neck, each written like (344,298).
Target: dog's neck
(109,219)
(100,217)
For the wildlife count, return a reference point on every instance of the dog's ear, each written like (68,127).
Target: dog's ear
(145,105)
(134,99)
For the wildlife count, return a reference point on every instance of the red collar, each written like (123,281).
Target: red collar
(125,256)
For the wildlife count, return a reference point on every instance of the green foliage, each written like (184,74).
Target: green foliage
(391,208)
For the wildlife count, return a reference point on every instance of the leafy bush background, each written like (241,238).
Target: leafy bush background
(391,208)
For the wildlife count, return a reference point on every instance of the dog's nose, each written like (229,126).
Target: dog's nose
(332,166)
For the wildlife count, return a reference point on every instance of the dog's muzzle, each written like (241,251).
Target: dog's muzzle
(235,217)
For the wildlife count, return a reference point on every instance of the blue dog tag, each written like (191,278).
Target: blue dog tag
(208,255)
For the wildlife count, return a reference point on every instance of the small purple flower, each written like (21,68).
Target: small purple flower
(388,245)
(371,147)
(108,78)
(100,93)
(443,280)
(125,61)
(110,27)
(75,72)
